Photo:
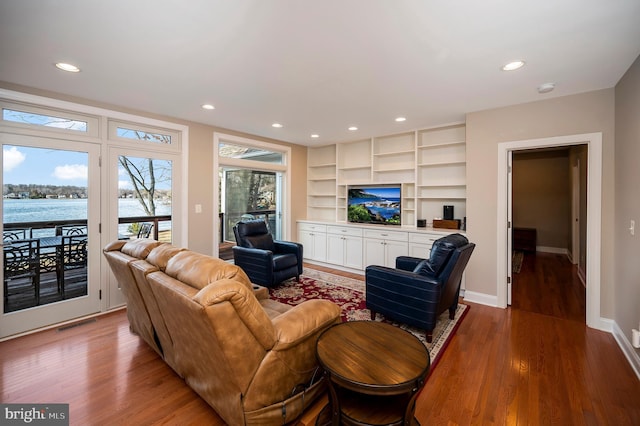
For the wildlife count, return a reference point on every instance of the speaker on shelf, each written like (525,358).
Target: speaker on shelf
(447,212)
(422,223)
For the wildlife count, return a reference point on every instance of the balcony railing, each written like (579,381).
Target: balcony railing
(47,228)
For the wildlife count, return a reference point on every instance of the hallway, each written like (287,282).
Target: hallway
(548,284)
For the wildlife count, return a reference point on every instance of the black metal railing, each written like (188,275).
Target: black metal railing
(44,228)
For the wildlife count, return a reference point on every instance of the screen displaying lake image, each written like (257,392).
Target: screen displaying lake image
(380,205)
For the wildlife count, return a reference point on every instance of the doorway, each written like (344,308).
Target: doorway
(593,210)
(545,185)
(51,242)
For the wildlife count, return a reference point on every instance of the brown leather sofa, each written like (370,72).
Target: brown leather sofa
(249,357)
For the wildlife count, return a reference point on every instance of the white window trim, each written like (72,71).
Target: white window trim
(102,113)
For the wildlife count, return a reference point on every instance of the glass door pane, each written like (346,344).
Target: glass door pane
(49,233)
(144,198)
(248,194)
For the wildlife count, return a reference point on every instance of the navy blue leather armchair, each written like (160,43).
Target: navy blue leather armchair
(419,290)
(266,261)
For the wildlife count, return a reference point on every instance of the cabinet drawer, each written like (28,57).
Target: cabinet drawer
(386,235)
(343,230)
(423,238)
(315,227)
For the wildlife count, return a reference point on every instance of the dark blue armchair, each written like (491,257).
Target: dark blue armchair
(419,290)
(266,261)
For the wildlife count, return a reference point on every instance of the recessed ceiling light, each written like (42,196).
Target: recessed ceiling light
(276,125)
(315,135)
(353,128)
(67,67)
(400,119)
(546,87)
(208,106)
(513,65)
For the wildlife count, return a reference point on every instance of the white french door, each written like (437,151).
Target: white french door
(46,182)
(143,185)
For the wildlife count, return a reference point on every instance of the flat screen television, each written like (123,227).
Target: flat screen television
(377,204)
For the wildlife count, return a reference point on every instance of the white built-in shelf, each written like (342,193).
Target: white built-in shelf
(323,165)
(444,163)
(322,178)
(437,145)
(389,154)
(356,167)
(429,163)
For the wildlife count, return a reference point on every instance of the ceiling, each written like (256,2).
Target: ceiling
(317,66)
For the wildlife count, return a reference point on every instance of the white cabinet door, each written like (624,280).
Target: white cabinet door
(374,252)
(383,252)
(314,245)
(306,239)
(353,252)
(419,250)
(395,249)
(335,249)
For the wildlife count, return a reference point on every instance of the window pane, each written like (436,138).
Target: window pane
(44,212)
(43,120)
(249,153)
(144,198)
(141,135)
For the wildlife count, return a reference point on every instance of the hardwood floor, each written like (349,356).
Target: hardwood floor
(503,366)
(548,284)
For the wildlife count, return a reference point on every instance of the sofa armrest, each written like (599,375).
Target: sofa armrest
(304,321)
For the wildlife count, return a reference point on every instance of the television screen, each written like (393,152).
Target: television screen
(374,204)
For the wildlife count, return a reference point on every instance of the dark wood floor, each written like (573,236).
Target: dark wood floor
(503,366)
(548,284)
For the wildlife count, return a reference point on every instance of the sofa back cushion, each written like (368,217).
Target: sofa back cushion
(440,253)
(253,234)
(199,270)
(139,248)
(160,255)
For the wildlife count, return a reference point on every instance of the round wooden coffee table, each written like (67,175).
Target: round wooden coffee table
(375,371)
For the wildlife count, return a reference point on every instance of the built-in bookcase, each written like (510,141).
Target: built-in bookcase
(430,165)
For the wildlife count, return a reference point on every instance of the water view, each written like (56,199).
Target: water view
(40,210)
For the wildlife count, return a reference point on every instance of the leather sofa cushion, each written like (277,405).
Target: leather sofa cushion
(160,255)
(139,248)
(199,270)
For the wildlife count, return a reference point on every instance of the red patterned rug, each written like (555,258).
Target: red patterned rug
(349,294)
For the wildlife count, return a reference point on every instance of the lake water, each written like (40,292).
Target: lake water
(39,210)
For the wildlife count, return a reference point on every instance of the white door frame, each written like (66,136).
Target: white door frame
(23,321)
(594,215)
(575,212)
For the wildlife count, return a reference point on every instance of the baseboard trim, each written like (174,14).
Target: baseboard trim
(627,349)
(556,250)
(481,298)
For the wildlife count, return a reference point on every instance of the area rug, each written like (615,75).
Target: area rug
(516,261)
(349,294)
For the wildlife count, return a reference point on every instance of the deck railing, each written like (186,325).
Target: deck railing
(44,228)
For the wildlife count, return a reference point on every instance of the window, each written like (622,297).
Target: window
(245,152)
(159,138)
(141,135)
(44,119)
